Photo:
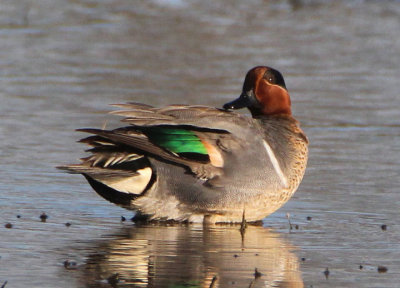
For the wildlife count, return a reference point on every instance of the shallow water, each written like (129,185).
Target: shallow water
(62,62)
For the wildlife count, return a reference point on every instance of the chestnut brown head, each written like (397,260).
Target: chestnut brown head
(264,93)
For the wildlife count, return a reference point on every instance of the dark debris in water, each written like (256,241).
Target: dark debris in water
(113,280)
(43,217)
(4,284)
(67,224)
(70,264)
(326,273)
(384,227)
(8,225)
(291,225)
(257,274)
(382,269)
(309,218)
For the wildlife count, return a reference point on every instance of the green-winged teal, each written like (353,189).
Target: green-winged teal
(197,163)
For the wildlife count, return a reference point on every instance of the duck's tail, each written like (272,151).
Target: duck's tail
(117,173)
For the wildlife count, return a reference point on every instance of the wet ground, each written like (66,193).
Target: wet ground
(62,62)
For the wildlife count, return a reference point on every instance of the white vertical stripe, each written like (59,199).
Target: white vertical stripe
(275,163)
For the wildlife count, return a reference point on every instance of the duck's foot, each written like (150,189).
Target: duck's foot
(145,219)
(255,223)
(140,218)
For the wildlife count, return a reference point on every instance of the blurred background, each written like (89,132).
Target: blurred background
(63,61)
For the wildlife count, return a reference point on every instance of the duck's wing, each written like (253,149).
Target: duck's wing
(197,137)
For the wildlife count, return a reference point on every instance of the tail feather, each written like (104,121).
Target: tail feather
(114,172)
(110,194)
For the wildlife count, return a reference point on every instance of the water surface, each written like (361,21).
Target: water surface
(62,62)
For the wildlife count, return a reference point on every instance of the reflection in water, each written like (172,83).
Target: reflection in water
(190,256)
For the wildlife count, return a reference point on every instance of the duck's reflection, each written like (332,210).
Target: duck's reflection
(191,256)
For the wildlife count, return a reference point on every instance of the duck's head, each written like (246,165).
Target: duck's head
(264,93)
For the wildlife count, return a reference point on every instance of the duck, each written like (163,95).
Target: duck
(193,163)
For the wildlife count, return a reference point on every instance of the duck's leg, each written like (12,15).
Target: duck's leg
(243,225)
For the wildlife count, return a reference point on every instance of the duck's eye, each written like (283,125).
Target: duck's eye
(274,77)
(270,77)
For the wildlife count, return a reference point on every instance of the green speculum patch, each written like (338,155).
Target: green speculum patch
(176,140)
